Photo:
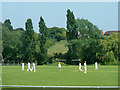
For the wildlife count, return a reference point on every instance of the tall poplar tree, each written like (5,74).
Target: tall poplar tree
(28,41)
(71,33)
(43,33)
(71,26)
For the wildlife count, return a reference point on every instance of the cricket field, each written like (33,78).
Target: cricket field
(69,76)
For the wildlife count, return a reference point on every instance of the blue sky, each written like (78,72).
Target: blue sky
(102,14)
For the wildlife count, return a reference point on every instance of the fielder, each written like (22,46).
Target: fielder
(28,66)
(80,67)
(59,66)
(33,67)
(85,67)
(22,66)
(96,66)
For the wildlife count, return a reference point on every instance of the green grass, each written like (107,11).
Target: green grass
(59,47)
(69,76)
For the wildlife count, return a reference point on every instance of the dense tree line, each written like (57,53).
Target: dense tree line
(85,42)
(21,45)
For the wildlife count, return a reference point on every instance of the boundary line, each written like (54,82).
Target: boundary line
(60,86)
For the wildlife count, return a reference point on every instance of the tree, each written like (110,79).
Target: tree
(89,37)
(71,33)
(8,24)
(71,26)
(109,49)
(43,34)
(87,30)
(85,46)
(11,44)
(57,33)
(28,40)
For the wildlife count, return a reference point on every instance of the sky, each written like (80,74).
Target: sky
(102,14)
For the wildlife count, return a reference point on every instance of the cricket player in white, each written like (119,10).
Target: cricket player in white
(28,66)
(80,67)
(22,66)
(59,66)
(33,67)
(85,67)
(96,66)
